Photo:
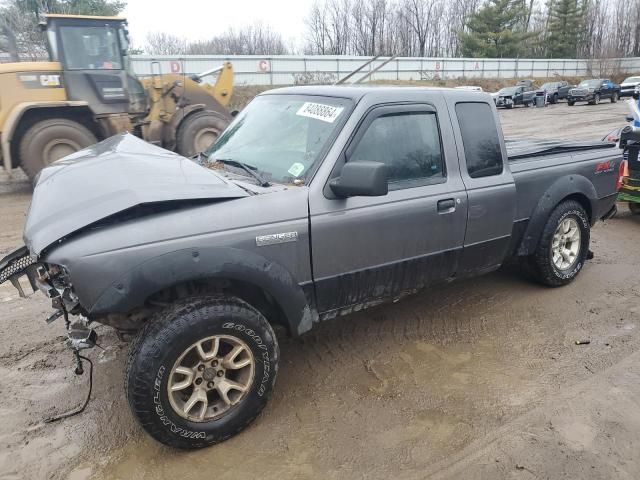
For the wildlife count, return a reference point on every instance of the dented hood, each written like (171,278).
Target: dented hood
(112,176)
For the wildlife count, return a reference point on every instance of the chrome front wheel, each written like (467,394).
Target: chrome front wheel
(211,377)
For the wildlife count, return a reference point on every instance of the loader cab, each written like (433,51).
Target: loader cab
(96,67)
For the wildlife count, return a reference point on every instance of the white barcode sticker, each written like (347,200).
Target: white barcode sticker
(296,169)
(326,113)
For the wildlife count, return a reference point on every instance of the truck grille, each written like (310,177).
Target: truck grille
(14,263)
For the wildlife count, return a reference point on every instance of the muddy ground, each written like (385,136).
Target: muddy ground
(479,379)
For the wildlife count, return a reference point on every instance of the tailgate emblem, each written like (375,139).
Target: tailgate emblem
(274,238)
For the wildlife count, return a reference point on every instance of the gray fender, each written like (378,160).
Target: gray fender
(173,268)
(560,189)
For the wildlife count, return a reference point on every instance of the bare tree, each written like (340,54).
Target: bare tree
(257,39)
(161,43)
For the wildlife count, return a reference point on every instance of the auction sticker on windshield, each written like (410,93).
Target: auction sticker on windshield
(326,113)
(296,169)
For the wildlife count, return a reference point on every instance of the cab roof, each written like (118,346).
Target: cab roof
(84,17)
(380,92)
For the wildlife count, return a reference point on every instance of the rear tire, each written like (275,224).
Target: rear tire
(634,208)
(174,361)
(198,132)
(546,265)
(49,140)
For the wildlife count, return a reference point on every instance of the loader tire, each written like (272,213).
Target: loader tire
(201,371)
(198,132)
(50,140)
(563,247)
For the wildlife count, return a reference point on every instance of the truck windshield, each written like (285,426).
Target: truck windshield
(632,80)
(508,91)
(281,136)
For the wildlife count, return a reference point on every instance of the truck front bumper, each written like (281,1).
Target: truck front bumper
(581,98)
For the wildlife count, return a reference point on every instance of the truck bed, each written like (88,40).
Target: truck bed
(537,164)
(518,149)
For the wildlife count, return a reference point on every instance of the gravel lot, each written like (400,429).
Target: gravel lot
(477,379)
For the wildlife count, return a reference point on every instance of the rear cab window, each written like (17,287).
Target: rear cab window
(480,139)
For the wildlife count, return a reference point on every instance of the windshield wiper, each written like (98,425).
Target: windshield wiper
(250,169)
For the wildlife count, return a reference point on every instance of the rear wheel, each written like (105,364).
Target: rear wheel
(201,371)
(50,140)
(563,246)
(198,132)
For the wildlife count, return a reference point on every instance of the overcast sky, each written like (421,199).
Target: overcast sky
(201,19)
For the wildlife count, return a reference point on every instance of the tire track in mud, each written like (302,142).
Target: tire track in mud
(442,315)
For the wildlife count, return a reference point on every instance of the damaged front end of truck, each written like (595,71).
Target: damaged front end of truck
(115,181)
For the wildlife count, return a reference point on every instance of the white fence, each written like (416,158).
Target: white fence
(291,69)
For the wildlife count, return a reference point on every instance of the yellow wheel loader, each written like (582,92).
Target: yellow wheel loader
(88,92)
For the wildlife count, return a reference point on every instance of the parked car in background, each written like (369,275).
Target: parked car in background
(509,97)
(556,90)
(592,91)
(628,86)
(470,87)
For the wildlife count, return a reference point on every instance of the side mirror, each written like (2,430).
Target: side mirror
(367,179)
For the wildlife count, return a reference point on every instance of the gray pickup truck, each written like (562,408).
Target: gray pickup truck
(315,202)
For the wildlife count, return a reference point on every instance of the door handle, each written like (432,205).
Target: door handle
(447,205)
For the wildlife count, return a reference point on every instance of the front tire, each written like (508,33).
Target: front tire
(554,99)
(570,103)
(614,97)
(49,140)
(198,132)
(563,246)
(201,371)
(634,208)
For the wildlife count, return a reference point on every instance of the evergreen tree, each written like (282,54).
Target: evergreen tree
(496,30)
(566,20)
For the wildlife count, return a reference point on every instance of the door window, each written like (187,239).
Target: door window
(90,48)
(409,144)
(480,139)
